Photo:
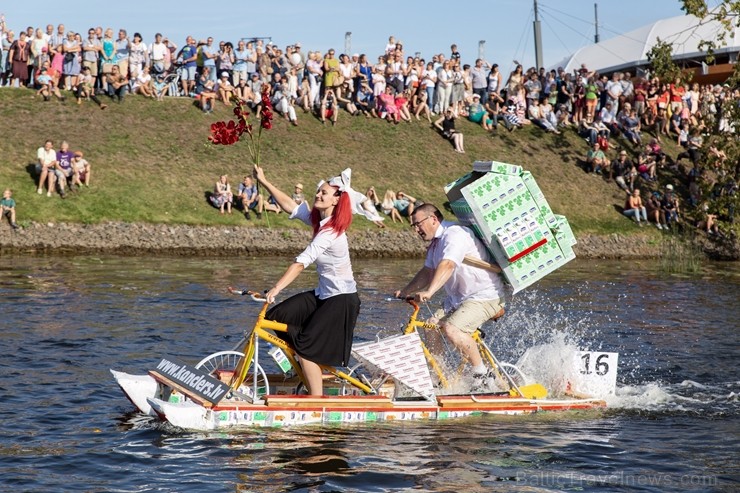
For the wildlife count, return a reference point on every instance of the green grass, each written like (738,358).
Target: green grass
(151,161)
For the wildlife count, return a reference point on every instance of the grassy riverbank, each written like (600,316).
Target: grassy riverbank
(151,162)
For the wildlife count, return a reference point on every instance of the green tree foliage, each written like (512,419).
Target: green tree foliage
(720,193)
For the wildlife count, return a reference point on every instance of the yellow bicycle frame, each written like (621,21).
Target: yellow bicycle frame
(260,331)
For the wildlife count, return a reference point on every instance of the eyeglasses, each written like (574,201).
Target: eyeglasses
(418,223)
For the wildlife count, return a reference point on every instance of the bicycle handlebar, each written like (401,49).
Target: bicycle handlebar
(245,292)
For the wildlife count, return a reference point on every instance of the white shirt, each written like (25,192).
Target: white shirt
(330,253)
(158,51)
(454,242)
(46,157)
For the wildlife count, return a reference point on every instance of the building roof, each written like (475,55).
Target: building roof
(684,32)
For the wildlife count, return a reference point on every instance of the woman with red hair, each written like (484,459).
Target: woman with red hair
(321,322)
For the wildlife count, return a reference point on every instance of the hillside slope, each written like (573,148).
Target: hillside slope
(151,161)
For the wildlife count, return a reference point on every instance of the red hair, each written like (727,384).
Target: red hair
(341,216)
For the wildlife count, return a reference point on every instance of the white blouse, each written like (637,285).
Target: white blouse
(330,253)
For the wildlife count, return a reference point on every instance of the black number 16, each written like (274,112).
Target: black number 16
(601,367)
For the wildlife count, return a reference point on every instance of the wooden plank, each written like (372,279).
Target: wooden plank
(488,402)
(174,385)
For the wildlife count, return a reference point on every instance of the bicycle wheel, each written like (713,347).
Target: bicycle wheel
(228,361)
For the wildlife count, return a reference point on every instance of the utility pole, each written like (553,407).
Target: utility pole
(596,22)
(482,49)
(348,43)
(537,37)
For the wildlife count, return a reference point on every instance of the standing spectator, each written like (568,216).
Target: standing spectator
(7,207)
(188,56)
(108,57)
(677,92)
(226,60)
(241,57)
(331,69)
(222,196)
(428,83)
(533,87)
(210,54)
(91,49)
(137,57)
(443,89)
(158,51)
(614,91)
(479,80)
(123,52)
(19,54)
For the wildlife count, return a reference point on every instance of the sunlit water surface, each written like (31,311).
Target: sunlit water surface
(673,425)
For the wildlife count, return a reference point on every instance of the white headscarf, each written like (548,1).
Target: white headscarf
(343,183)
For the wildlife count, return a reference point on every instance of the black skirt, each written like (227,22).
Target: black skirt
(321,331)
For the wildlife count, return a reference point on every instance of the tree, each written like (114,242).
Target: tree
(720,191)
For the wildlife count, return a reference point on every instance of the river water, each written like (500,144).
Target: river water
(64,321)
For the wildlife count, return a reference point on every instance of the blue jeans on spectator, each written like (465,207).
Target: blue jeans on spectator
(120,92)
(636,214)
(483,93)
(430,98)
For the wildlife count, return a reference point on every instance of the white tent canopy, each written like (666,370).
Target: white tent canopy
(684,32)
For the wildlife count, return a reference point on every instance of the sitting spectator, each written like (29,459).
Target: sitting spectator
(81,170)
(365,101)
(387,108)
(329,107)
(446,125)
(271,205)
(633,207)
(388,205)
(63,169)
(47,86)
(477,114)
(421,105)
(608,119)
(161,87)
(631,127)
(654,211)
(493,106)
(373,196)
(654,149)
(86,88)
(669,207)
(623,171)
(401,101)
(281,102)
(7,207)
(117,84)
(250,198)
(646,167)
(595,159)
(536,117)
(298,196)
(511,116)
(47,157)
(225,89)
(222,196)
(205,91)
(593,131)
(693,149)
(142,84)
(708,223)
(405,205)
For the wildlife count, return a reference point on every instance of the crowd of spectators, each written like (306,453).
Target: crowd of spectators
(614,112)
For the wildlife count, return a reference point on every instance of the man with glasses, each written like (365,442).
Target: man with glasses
(210,53)
(474,294)
(91,48)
